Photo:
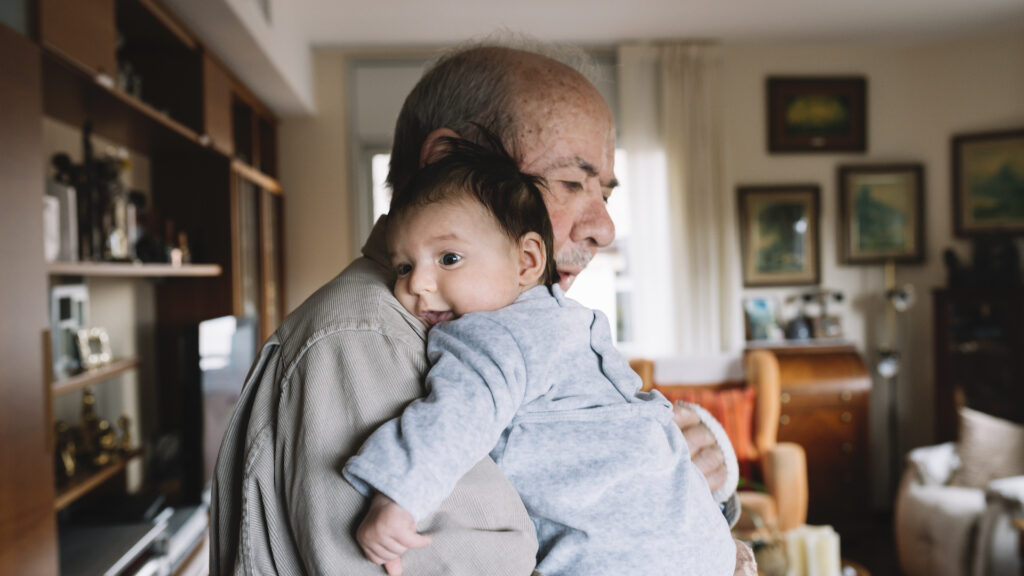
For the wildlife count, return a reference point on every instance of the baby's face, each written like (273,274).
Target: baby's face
(450,259)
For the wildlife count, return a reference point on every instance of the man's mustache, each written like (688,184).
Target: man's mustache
(574,258)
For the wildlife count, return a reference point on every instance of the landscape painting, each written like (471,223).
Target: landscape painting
(817,114)
(988,183)
(779,235)
(880,213)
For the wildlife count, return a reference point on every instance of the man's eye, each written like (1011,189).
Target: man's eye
(403,269)
(450,259)
(573,185)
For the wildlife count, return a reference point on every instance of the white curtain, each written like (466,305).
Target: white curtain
(683,251)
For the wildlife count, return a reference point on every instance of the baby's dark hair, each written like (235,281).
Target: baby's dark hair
(490,175)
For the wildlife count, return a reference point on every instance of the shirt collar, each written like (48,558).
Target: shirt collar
(376,247)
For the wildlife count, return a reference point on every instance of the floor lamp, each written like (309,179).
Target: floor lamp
(897,300)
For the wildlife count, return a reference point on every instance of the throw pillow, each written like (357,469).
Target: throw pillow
(734,410)
(989,448)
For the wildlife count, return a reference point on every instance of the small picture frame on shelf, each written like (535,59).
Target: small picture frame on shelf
(69,313)
(817,114)
(94,347)
(881,213)
(779,235)
(988,183)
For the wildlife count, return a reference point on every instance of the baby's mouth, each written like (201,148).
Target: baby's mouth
(432,317)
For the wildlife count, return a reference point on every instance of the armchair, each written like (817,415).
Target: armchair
(957,502)
(782,466)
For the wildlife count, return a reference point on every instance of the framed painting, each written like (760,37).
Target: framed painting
(881,213)
(779,235)
(817,114)
(988,183)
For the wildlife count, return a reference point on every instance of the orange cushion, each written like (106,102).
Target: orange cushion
(733,408)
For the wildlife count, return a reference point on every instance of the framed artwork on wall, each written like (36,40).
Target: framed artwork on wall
(988,183)
(817,114)
(779,235)
(881,213)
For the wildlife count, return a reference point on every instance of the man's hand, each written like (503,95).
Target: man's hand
(746,565)
(704,450)
(387,532)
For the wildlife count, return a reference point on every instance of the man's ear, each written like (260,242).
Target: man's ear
(434,147)
(532,259)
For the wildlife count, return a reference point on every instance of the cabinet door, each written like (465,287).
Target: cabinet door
(217,106)
(84,31)
(28,538)
(247,260)
(271,236)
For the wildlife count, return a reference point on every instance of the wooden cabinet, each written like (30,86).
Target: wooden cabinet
(83,32)
(179,118)
(825,399)
(979,336)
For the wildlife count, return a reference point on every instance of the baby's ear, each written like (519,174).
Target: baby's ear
(532,259)
(435,146)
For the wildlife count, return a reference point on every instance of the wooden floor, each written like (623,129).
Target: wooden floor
(877,550)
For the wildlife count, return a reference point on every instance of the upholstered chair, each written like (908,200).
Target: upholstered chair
(743,392)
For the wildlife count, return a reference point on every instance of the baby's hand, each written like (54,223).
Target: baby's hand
(387,532)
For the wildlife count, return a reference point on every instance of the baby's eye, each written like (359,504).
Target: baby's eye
(450,259)
(403,269)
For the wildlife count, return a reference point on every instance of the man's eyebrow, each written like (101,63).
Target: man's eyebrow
(591,170)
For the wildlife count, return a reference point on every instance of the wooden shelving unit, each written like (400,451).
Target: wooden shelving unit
(131,75)
(81,485)
(79,381)
(129,270)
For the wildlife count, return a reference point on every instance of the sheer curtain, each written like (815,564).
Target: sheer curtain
(684,250)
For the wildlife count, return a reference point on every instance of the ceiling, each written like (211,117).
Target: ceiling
(390,23)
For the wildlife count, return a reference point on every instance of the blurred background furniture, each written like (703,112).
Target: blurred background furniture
(958,501)
(746,394)
(826,405)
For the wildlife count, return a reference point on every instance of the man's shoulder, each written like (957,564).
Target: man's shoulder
(356,301)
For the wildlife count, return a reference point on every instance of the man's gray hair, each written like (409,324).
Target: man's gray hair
(467,89)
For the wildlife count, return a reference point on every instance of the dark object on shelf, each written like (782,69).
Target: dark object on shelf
(996,262)
(995,267)
(799,328)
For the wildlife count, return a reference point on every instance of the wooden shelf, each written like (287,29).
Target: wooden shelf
(129,270)
(78,381)
(81,485)
(255,176)
(73,95)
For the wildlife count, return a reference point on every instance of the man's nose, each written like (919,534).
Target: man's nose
(594,224)
(421,280)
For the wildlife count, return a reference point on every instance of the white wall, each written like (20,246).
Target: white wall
(313,152)
(918,97)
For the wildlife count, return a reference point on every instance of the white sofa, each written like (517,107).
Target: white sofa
(947,530)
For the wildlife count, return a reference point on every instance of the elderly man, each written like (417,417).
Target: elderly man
(351,356)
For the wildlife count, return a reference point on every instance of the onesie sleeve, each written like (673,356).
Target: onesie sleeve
(476,384)
(726,494)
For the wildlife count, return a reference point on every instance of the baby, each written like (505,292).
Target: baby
(530,377)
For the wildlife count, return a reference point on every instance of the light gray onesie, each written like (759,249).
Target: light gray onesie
(604,472)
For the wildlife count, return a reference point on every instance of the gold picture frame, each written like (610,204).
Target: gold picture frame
(988,183)
(779,232)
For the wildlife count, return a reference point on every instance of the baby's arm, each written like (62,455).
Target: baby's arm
(387,532)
